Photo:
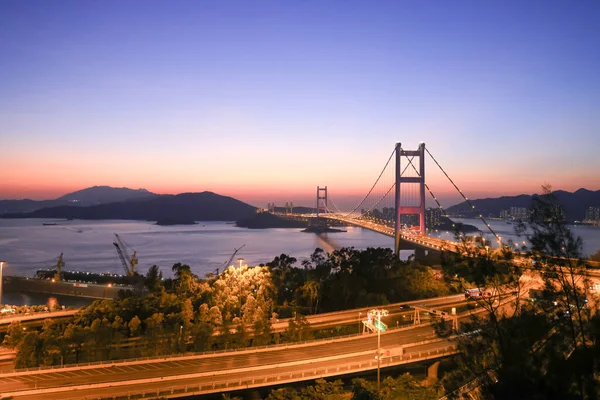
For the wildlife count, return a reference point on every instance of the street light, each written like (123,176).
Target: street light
(1,265)
(359,314)
(378,313)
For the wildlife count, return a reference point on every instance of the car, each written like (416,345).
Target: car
(7,310)
(438,312)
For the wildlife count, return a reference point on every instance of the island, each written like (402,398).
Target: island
(175,221)
(267,220)
(446,224)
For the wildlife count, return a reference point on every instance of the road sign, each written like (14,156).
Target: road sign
(380,325)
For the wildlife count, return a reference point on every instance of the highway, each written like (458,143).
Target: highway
(352,316)
(266,360)
(7,320)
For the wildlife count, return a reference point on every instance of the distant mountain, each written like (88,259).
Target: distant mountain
(81,198)
(205,206)
(104,194)
(575,204)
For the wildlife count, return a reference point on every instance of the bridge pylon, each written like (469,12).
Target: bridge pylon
(415,209)
(321,200)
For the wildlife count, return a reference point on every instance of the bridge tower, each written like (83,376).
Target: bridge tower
(414,209)
(321,200)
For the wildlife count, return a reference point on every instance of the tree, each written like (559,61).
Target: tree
(311,292)
(203,329)
(556,253)
(529,350)
(15,334)
(153,280)
(134,326)
(298,329)
(185,280)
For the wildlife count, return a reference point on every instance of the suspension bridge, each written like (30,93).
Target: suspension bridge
(395,204)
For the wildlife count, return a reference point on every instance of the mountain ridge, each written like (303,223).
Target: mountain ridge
(203,206)
(575,204)
(85,197)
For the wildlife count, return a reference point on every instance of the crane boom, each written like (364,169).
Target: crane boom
(122,257)
(127,261)
(228,263)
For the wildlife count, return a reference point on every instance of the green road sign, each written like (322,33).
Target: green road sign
(380,325)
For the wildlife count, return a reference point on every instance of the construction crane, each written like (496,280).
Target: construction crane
(59,264)
(128,262)
(228,263)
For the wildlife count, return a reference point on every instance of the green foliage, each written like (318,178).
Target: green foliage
(350,278)
(298,329)
(530,350)
(231,310)
(153,279)
(404,387)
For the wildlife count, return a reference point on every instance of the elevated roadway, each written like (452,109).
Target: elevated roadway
(224,371)
(39,317)
(188,374)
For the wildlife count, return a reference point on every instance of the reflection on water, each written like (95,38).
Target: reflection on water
(327,243)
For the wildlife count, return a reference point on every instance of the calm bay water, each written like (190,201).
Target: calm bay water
(27,245)
(589,234)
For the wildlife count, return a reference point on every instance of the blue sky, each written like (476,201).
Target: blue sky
(267,99)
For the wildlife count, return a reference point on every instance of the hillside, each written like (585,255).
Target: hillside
(105,194)
(575,204)
(205,206)
(86,197)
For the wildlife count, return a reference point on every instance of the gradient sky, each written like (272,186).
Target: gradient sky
(265,100)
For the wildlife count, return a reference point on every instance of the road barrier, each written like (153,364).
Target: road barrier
(237,384)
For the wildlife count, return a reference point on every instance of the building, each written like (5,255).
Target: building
(516,213)
(592,215)
(433,218)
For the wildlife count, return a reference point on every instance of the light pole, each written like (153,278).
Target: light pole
(378,313)
(1,265)
(180,336)
(241,260)
(359,314)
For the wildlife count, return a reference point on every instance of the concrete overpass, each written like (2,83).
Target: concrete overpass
(225,371)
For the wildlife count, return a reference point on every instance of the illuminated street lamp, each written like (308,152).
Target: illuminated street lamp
(1,265)
(378,313)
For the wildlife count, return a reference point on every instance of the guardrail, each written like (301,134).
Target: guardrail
(183,356)
(235,384)
(192,355)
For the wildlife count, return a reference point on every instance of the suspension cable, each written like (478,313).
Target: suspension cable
(427,187)
(372,187)
(463,196)
(379,201)
(334,206)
